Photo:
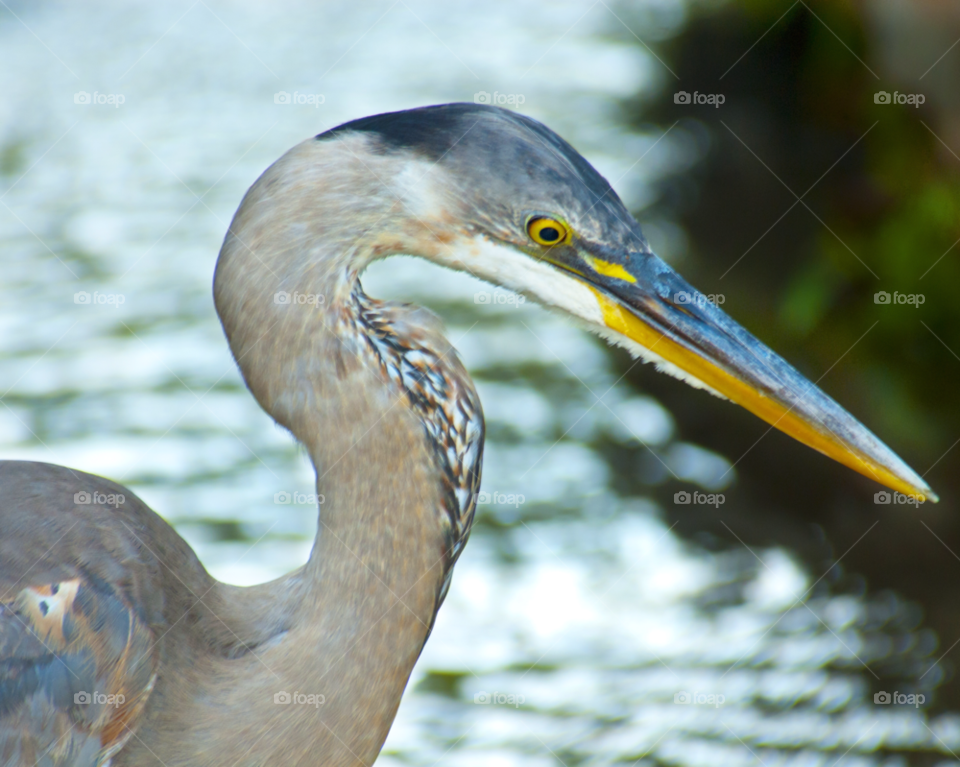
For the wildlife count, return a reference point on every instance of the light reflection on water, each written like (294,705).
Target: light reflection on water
(578,600)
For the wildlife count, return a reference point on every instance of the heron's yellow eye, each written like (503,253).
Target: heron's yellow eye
(547,231)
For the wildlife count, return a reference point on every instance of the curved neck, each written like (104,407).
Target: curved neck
(287,293)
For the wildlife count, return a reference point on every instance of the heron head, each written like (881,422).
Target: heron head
(508,200)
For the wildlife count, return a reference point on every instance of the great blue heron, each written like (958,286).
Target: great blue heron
(115,642)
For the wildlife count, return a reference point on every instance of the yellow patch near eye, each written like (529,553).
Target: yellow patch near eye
(608,269)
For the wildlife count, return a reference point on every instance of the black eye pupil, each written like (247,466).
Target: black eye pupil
(549,234)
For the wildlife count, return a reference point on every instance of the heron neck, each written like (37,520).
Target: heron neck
(284,289)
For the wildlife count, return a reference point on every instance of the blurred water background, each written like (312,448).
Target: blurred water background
(581,627)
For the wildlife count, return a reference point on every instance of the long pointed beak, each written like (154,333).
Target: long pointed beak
(644,300)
